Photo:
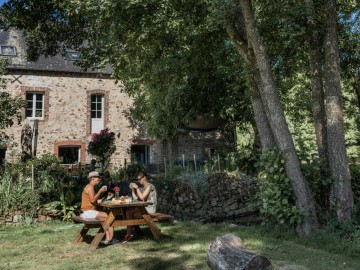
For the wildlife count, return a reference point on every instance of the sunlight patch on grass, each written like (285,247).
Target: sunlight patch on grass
(191,247)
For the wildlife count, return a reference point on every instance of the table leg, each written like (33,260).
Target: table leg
(105,226)
(154,229)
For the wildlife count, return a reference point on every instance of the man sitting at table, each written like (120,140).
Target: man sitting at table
(146,193)
(88,204)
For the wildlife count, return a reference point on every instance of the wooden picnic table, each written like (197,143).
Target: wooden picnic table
(113,220)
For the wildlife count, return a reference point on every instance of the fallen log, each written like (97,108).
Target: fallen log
(227,253)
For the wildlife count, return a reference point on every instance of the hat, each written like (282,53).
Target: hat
(93,174)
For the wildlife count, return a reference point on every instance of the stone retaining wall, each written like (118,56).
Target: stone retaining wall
(226,197)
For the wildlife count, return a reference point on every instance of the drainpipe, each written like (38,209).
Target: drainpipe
(35,136)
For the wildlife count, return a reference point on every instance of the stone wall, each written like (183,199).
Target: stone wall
(226,197)
(67,111)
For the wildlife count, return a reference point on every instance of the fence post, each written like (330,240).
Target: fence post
(32,177)
(219,162)
(183,160)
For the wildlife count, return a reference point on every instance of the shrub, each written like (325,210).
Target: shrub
(16,196)
(275,191)
(102,146)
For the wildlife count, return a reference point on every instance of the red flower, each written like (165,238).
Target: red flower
(116,188)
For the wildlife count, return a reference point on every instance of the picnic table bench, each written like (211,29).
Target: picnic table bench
(116,221)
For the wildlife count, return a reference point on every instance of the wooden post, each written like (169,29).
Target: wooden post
(32,177)
(183,160)
(195,163)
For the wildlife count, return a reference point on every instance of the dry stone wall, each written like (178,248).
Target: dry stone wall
(224,197)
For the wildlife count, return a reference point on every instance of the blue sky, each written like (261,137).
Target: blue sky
(2,2)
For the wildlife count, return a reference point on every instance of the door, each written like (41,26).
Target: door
(97,113)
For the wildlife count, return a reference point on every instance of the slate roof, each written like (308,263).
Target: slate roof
(56,63)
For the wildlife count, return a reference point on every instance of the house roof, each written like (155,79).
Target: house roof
(58,63)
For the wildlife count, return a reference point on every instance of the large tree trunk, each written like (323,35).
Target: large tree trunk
(356,86)
(335,123)
(318,99)
(262,122)
(275,113)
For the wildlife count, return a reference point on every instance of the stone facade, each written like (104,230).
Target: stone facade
(67,92)
(66,106)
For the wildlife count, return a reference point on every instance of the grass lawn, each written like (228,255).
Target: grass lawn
(49,246)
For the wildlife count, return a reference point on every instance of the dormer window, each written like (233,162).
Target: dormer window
(72,55)
(8,50)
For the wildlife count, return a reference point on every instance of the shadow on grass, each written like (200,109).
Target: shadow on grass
(144,234)
(164,263)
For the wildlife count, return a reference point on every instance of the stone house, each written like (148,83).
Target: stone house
(65,105)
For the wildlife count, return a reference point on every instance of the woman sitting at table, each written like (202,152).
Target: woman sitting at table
(146,193)
(88,204)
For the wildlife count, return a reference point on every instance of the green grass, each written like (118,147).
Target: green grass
(49,246)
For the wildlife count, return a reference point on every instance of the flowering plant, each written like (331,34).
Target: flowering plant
(102,146)
(116,188)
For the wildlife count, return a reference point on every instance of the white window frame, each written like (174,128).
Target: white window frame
(33,117)
(102,111)
(1,50)
(72,55)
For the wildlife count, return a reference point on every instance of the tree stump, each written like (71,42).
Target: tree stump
(227,253)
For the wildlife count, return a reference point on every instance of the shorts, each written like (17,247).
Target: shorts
(89,214)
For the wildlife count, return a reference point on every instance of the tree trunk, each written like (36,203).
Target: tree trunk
(227,252)
(356,86)
(318,99)
(275,113)
(338,161)
(262,122)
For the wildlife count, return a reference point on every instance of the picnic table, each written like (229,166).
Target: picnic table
(115,220)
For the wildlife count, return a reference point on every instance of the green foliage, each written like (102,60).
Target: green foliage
(102,146)
(17,197)
(66,205)
(48,172)
(275,191)
(355,180)
(178,62)
(319,181)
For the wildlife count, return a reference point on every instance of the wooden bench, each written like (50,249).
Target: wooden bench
(90,223)
(159,217)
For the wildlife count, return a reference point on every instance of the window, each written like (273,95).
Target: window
(209,152)
(7,50)
(69,154)
(35,105)
(72,55)
(97,113)
(141,153)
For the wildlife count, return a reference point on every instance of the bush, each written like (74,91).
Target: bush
(102,146)
(17,197)
(275,192)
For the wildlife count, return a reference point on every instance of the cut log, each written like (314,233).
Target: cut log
(227,253)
